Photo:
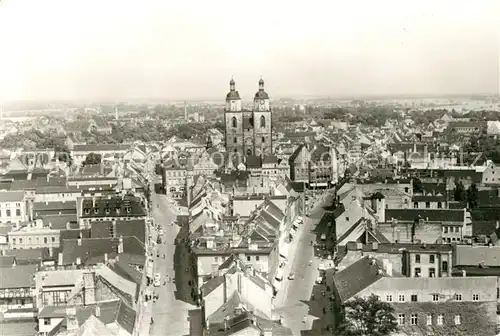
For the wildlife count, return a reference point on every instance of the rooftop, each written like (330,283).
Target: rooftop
(11,196)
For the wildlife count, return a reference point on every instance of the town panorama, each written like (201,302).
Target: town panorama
(255,212)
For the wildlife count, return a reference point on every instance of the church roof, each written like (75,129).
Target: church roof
(234,95)
(261,94)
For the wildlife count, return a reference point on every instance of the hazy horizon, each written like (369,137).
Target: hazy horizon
(64,50)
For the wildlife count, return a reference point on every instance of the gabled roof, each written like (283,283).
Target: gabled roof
(11,196)
(212,284)
(19,276)
(433,215)
(358,276)
(466,255)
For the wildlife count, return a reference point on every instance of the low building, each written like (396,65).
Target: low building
(80,152)
(17,286)
(251,290)
(109,208)
(12,207)
(34,235)
(423,306)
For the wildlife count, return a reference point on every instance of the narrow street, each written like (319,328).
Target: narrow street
(292,300)
(170,315)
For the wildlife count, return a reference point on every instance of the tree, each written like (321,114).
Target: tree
(367,317)
(418,186)
(459,194)
(472,196)
(92,159)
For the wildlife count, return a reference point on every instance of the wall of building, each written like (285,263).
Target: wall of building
(13,212)
(57,197)
(33,238)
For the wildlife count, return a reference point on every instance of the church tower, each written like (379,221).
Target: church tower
(233,120)
(262,122)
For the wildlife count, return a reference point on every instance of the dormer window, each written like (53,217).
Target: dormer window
(86,211)
(106,211)
(117,210)
(129,209)
(96,211)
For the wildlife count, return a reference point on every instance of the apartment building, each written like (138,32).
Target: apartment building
(12,207)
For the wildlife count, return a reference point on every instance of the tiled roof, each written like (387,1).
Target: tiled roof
(451,284)
(485,214)
(209,286)
(253,162)
(432,198)
(270,159)
(97,247)
(295,153)
(52,312)
(486,227)
(59,278)
(59,222)
(101,147)
(45,206)
(11,196)
(106,206)
(19,276)
(107,310)
(226,309)
(125,270)
(126,317)
(35,255)
(357,277)
(466,255)
(433,215)
(7,261)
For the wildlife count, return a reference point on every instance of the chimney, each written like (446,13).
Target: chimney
(497,226)
(71,320)
(60,259)
(464,273)
(120,245)
(78,261)
(97,311)
(79,241)
(51,251)
(387,267)
(226,323)
(105,258)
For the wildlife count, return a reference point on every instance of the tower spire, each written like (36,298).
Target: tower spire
(185,111)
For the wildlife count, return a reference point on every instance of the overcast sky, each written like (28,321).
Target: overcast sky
(107,49)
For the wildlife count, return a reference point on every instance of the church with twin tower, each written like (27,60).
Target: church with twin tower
(248,132)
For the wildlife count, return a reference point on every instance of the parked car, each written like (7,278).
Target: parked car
(157,280)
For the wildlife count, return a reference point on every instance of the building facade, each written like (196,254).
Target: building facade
(248,132)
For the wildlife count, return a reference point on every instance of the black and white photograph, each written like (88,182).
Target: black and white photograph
(249,168)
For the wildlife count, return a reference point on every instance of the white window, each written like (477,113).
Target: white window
(458,297)
(458,319)
(440,319)
(388,298)
(429,319)
(475,297)
(401,298)
(413,320)
(435,297)
(401,319)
